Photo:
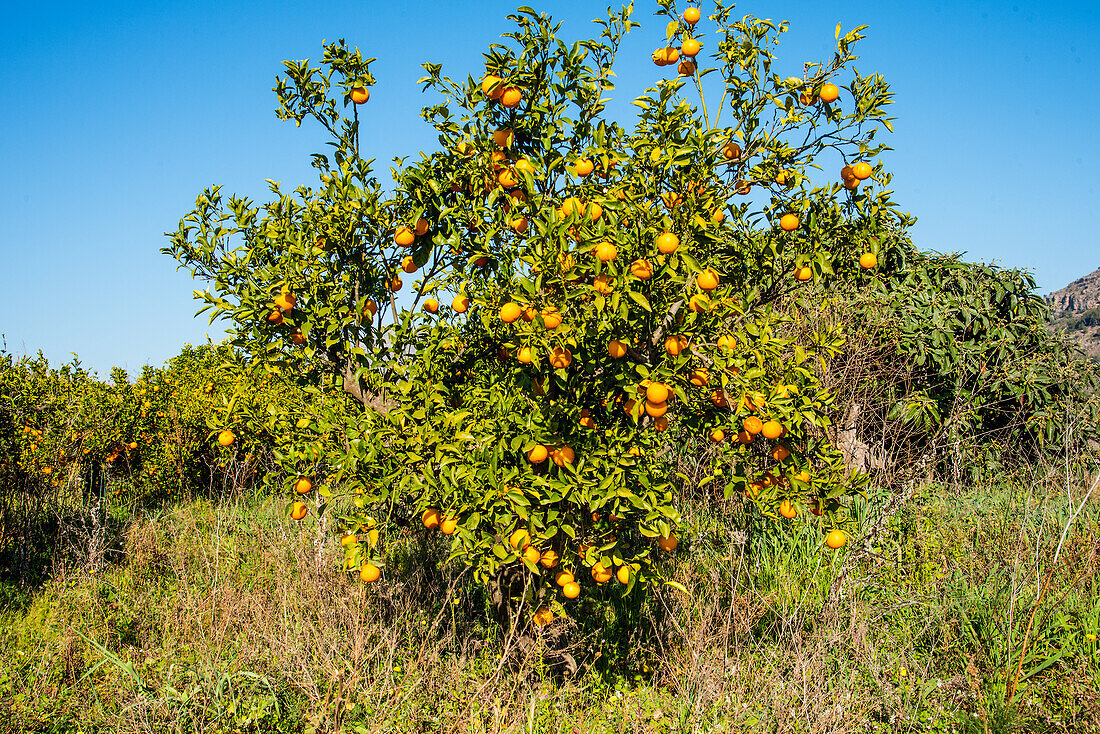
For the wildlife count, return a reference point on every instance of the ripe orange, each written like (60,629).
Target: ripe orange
(407,264)
(571,590)
(807,98)
(449,526)
(507,179)
(686,68)
(641,269)
(718,398)
(524,166)
(460,304)
(519,539)
(667,243)
(600,574)
(518,225)
(348,539)
(284,302)
(690,47)
(784,178)
(551,318)
(655,392)
(605,252)
(744,437)
(421,228)
(226,437)
(692,15)
(787,510)
(772,429)
(851,183)
(727,341)
(707,280)
(603,284)
(699,377)
(672,54)
(396,283)
(675,344)
(803,273)
(529,313)
(503,137)
(359,95)
(511,97)
(862,170)
(788,222)
(562,456)
(586,419)
(303,485)
(868,260)
(369,573)
(780,453)
(836,539)
(623,575)
(829,93)
(731,151)
(491,86)
(404,236)
(549,558)
(531,555)
(431,518)
(616,349)
(298,510)
(538,454)
(753,425)
(717,435)
(524,355)
(718,217)
(660,57)
(542,616)
(570,206)
(370,307)
(655,410)
(667,543)
(561,578)
(742,187)
(509,312)
(560,358)
(803,476)
(583,167)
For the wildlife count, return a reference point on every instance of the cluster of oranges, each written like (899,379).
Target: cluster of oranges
(497,90)
(684,56)
(282,306)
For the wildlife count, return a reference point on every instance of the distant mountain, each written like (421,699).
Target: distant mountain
(1076,309)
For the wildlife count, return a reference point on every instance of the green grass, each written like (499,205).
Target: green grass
(218,617)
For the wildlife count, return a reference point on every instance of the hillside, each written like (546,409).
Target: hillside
(1076,309)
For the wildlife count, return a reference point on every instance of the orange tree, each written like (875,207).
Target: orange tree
(607,290)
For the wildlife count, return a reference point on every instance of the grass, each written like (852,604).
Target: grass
(217,617)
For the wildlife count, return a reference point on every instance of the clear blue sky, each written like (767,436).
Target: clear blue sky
(117,114)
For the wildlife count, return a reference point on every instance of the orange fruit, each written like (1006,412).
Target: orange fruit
(603,284)
(561,578)
(549,559)
(449,526)
(851,183)
(707,280)
(519,539)
(727,341)
(655,410)
(349,539)
(846,172)
(744,436)
(616,349)
(525,166)
(571,590)
(431,518)
(518,225)
(586,419)
(564,455)
(531,555)
(641,269)
(807,98)
(404,236)
(772,429)
(667,543)
(803,273)
(780,453)
(692,15)
(717,435)
(660,57)
(784,178)
(551,318)
(600,574)
(686,68)
(511,97)
(460,304)
(396,283)
(542,616)
(699,377)
(667,243)
(655,392)
(226,437)
(369,573)
(421,228)
(503,137)
(407,264)
(524,355)
(753,425)
(718,217)
(836,539)
(538,454)
(298,510)
(787,510)
(788,222)
(605,252)
(690,47)
(507,179)
(570,206)
(560,357)
(742,187)
(285,301)
(583,167)
(829,93)
(868,260)
(359,95)
(675,344)
(370,307)
(623,575)
(303,485)
(672,55)
(509,312)
(529,313)
(862,170)
(491,86)
(731,151)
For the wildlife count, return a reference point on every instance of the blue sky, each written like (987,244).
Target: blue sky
(117,114)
